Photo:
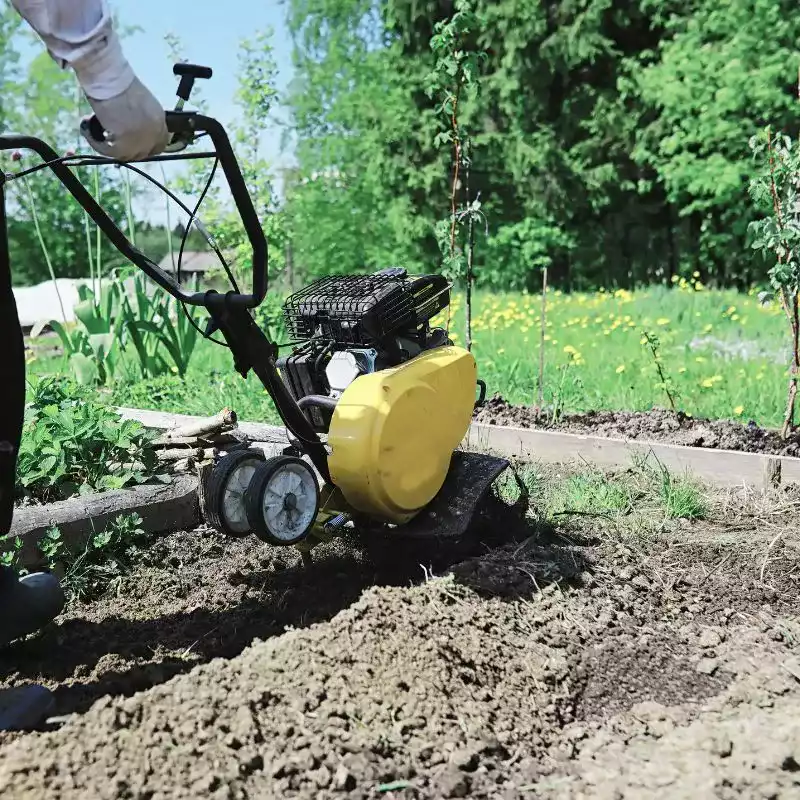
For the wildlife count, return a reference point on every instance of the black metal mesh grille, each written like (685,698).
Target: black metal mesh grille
(361,309)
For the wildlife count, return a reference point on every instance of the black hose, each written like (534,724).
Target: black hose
(317,401)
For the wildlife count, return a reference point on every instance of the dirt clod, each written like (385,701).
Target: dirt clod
(364,675)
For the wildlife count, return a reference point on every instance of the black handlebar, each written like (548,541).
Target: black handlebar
(185,125)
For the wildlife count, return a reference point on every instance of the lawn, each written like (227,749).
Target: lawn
(723,355)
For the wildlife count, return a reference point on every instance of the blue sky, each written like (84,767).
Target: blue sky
(210,32)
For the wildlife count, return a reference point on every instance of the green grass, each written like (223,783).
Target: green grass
(722,351)
(682,498)
(560,493)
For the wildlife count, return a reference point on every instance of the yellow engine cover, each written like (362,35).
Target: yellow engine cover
(393,432)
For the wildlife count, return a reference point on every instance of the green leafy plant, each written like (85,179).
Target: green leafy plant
(11,559)
(106,556)
(681,497)
(665,383)
(161,331)
(455,76)
(51,545)
(162,335)
(72,444)
(776,191)
(92,345)
(270,318)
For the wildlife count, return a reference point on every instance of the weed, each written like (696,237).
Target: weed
(590,493)
(682,498)
(106,557)
(12,558)
(527,479)
(654,346)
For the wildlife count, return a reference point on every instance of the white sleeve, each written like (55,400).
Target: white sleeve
(80,34)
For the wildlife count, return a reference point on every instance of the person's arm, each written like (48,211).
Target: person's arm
(79,34)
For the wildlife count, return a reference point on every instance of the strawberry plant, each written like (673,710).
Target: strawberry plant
(74,445)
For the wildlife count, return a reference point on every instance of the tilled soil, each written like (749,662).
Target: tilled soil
(580,662)
(656,425)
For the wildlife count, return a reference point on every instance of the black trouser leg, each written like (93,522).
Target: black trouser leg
(12,382)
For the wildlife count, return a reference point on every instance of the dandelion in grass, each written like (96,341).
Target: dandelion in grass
(738,411)
(620,369)
(662,321)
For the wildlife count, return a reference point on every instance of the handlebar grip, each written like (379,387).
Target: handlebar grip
(194,70)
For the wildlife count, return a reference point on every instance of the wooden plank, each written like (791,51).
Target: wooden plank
(724,468)
(161,420)
(162,507)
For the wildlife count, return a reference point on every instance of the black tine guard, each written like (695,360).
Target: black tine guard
(449,514)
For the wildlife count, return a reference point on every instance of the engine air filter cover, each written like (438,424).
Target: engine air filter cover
(360,310)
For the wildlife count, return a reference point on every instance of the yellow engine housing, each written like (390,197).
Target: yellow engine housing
(393,432)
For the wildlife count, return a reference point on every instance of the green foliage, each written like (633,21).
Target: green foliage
(160,330)
(454,81)
(775,191)
(681,497)
(12,559)
(161,334)
(591,493)
(609,144)
(778,234)
(72,444)
(106,557)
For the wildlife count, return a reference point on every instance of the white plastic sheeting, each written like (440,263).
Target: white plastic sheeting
(40,303)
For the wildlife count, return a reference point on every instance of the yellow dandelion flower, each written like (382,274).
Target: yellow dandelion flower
(662,321)
(739,410)
(681,370)
(620,368)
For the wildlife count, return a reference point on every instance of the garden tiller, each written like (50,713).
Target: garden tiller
(375,400)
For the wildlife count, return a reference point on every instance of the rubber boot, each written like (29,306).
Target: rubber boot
(27,604)
(25,707)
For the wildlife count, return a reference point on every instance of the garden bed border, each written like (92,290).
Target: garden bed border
(176,505)
(720,468)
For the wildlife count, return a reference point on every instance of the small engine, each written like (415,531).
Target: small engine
(351,325)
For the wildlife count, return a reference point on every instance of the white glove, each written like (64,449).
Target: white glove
(134,122)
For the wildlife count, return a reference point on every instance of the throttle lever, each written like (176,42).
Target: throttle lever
(188,73)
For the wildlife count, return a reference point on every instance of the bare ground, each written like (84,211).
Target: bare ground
(655,425)
(624,657)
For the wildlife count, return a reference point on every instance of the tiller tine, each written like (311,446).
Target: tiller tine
(449,514)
